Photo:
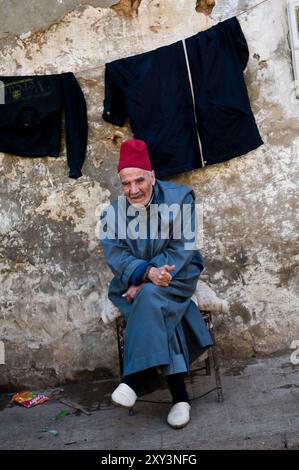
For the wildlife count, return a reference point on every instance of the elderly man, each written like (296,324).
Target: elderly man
(156,268)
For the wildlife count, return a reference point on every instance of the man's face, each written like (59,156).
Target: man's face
(137,185)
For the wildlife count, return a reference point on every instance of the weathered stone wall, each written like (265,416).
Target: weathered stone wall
(53,276)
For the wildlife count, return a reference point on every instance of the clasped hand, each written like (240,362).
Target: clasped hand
(158,276)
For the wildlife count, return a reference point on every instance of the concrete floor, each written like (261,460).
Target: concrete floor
(260,411)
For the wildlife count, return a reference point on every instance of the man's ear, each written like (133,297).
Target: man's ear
(153,177)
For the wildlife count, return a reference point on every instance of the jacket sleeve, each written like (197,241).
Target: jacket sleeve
(114,104)
(120,260)
(118,255)
(234,30)
(76,126)
(176,252)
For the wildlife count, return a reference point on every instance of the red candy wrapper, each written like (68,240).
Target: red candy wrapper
(30,398)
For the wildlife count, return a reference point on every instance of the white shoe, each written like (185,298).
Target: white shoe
(124,395)
(179,415)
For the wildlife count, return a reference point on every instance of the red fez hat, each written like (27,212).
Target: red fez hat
(134,154)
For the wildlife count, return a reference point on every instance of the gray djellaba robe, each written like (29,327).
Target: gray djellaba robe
(164,327)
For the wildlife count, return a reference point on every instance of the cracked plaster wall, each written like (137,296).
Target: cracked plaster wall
(53,276)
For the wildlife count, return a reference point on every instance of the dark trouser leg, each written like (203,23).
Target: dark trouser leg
(144,381)
(177,388)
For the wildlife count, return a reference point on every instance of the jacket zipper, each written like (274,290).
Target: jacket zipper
(192,93)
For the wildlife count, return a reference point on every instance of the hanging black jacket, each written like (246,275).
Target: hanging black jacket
(31,117)
(184,132)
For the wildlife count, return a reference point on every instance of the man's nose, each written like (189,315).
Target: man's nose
(134,189)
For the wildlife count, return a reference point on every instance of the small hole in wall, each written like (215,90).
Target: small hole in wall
(205,6)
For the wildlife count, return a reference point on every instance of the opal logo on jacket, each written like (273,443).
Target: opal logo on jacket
(16,94)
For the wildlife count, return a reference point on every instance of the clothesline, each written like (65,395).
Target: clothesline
(251,8)
(239,14)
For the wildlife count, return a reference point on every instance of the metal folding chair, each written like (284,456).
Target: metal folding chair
(209,358)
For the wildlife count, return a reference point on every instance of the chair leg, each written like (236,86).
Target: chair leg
(120,343)
(120,347)
(214,356)
(217,375)
(208,366)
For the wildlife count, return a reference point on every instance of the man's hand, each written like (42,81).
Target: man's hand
(131,292)
(160,276)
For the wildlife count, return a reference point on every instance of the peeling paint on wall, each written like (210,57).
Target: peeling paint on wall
(127,7)
(205,6)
